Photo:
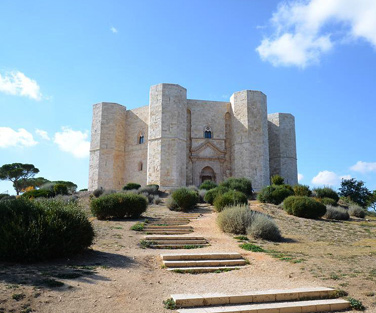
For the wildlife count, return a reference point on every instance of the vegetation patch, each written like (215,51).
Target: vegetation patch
(304,207)
(336,213)
(208,184)
(356,304)
(251,247)
(184,199)
(275,194)
(169,304)
(138,226)
(230,198)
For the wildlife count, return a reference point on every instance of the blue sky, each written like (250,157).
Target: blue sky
(315,59)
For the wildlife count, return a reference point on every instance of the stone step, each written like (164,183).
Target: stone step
(192,300)
(204,269)
(180,242)
(177,246)
(204,263)
(201,256)
(277,307)
(168,223)
(177,237)
(168,227)
(168,232)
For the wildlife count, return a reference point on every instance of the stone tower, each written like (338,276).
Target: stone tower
(282,147)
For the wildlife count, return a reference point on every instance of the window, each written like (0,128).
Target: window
(141,139)
(140,166)
(207,132)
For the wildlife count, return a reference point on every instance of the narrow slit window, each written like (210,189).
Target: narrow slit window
(140,166)
(207,132)
(141,139)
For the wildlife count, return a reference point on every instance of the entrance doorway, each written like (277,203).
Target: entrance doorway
(207,173)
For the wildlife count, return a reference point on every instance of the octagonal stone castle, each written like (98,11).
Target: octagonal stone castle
(175,141)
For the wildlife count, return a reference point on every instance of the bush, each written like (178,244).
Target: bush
(193,188)
(186,199)
(326,192)
(230,198)
(41,230)
(119,205)
(357,211)
(157,200)
(336,213)
(201,194)
(131,186)
(304,207)
(154,186)
(213,193)
(37,193)
(302,190)
(277,180)
(98,192)
(3,195)
(243,185)
(60,189)
(208,184)
(263,227)
(171,204)
(274,194)
(8,198)
(235,219)
(150,189)
(327,201)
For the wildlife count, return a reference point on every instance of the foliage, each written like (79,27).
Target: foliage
(98,192)
(157,200)
(328,201)
(72,187)
(169,304)
(186,199)
(138,226)
(201,194)
(119,205)
(336,213)
(154,186)
(41,230)
(357,211)
(38,193)
(277,180)
(235,219)
(304,207)
(150,189)
(302,190)
(171,204)
(16,172)
(213,193)
(326,192)
(243,185)
(60,189)
(131,186)
(356,304)
(274,194)
(230,198)
(194,188)
(3,195)
(355,191)
(251,247)
(34,182)
(208,184)
(263,227)
(372,200)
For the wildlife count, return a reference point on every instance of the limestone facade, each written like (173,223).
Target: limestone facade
(175,141)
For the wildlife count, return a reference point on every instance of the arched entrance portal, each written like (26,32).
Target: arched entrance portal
(207,173)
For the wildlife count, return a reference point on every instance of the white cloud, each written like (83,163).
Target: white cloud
(114,30)
(364,167)
(300,177)
(43,134)
(74,142)
(301,35)
(16,83)
(328,178)
(13,138)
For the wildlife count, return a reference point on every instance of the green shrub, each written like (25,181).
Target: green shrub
(7,198)
(157,200)
(131,186)
(213,193)
(185,198)
(201,194)
(3,195)
(193,188)
(243,185)
(304,207)
(302,190)
(235,219)
(60,189)
(336,213)
(251,247)
(326,192)
(327,201)
(150,189)
(98,192)
(37,193)
(154,186)
(230,198)
(208,184)
(277,180)
(275,194)
(119,205)
(357,211)
(39,230)
(171,204)
(263,227)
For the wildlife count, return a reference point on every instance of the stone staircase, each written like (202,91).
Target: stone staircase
(202,262)
(314,299)
(175,242)
(168,230)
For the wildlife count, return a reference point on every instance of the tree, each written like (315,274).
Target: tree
(34,182)
(355,191)
(372,201)
(16,173)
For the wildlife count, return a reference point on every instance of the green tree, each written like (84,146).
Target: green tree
(372,200)
(16,173)
(34,182)
(355,191)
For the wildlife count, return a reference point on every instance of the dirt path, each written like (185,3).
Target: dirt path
(120,276)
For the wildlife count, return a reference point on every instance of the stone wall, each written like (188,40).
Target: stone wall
(282,147)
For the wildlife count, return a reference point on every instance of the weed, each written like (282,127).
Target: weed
(242,238)
(169,304)
(225,270)
(341,293)
(18,296)
(146,244)
(334,276)
(356,304)
(138,226)
(251,247)
(193,246)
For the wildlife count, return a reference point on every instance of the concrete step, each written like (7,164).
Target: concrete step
(177,246)
(200,256)
(176,237)
(192,300)
(205,269)
(204,263)
(168,223)
(278,307)
(168,232)
(180,242)
(168,227)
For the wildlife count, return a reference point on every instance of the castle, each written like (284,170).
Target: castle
(175,141)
